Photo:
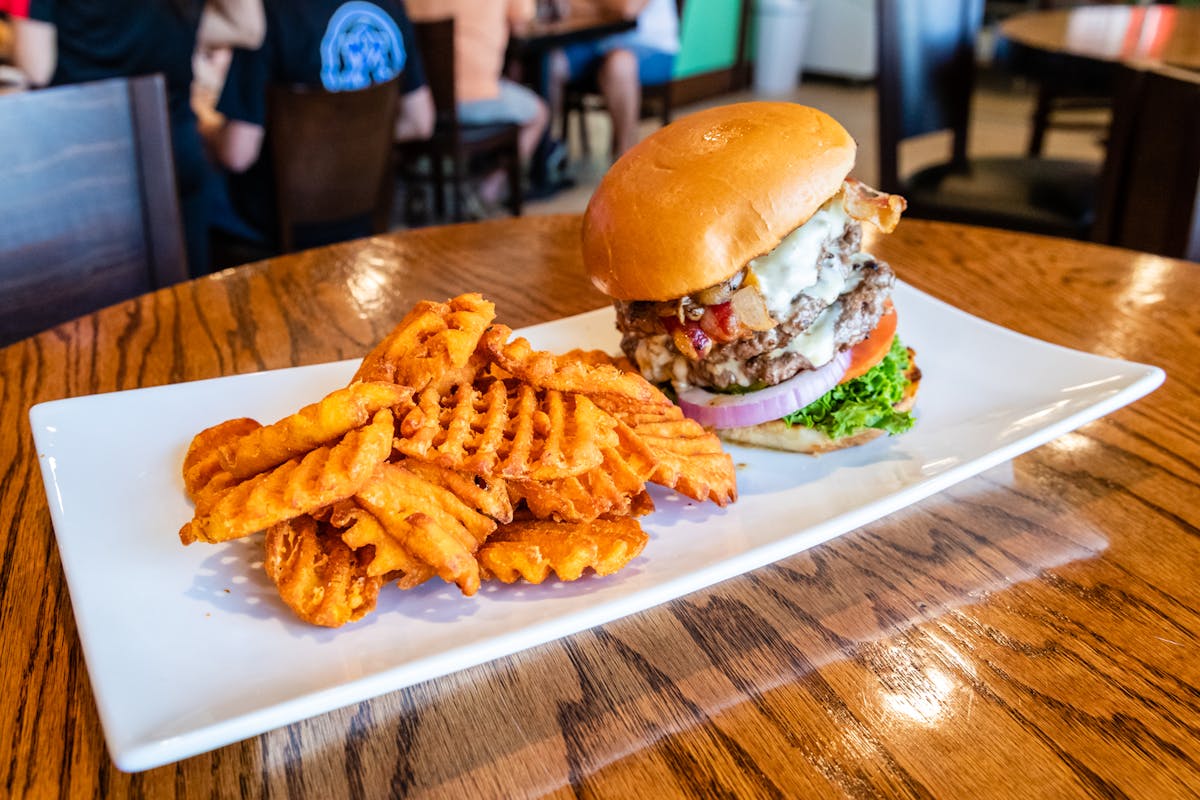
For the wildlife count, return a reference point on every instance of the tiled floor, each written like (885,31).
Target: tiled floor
(1000,125)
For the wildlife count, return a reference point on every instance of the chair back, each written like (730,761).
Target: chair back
(1150,186)
(332,154)
(453,144)
(435,39)
(88,210)
(926,52)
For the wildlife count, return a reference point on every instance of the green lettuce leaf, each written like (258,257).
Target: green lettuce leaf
(865,402)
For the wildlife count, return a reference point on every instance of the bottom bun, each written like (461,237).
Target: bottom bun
(778,435)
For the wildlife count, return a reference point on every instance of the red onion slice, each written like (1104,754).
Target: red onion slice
(774,402)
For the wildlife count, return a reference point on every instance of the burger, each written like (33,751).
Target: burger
(730,242)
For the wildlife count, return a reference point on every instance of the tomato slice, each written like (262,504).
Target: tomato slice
(871,350)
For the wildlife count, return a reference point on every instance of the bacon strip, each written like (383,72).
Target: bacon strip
(865,204)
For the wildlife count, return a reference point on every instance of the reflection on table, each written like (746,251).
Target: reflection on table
(1155,34)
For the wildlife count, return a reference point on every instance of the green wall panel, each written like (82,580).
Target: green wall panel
(708,36)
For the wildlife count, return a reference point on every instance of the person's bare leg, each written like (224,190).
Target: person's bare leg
(531,132)
(618,79)
(558,71)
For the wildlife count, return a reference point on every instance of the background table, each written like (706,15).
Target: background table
(1031,632)
(1147,35)
(581,24)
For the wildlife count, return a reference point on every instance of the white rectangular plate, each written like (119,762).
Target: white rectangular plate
(189,648)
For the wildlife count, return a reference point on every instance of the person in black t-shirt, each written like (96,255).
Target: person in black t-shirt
(338,45)
(73,41)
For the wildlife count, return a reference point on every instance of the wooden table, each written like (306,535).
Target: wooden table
(1137,35)
(1030,632)
(582,24)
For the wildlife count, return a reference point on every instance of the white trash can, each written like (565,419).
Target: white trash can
(781,28)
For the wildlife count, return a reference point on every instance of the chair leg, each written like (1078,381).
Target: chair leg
(381,219)
(459,168)
(1040,121)
(437,176)
(286,232)
(514,180)
(565,124)
(584,143)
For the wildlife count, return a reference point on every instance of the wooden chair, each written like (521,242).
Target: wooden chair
(332,155)
(1150,190)
(1067,85)
(88,210)
(583,95)
(926,78)
(452,141)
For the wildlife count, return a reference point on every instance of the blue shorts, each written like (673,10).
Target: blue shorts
(515,103)
(654,66)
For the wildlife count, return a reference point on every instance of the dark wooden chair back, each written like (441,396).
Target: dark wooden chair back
(453,142)
(435,39)
(926,75)
(88,210)
(926,79)
(1150,188)
(332,155)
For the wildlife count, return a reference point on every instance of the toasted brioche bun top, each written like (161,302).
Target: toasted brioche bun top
(691,204)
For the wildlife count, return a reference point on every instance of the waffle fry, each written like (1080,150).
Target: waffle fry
(296,487)
(312,426)
(617,487)
(522,433)
(600,358)
(690,459)
(530,550)
(490,498)
(317,575)
(432,340)
(564,373)
(426,523)
(202,464)
(459,453)
(362,531)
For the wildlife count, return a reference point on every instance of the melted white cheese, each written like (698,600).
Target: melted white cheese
(658,360)
(791,268)
(817,343)
(731,370)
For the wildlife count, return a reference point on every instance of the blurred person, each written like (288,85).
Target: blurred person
(485,96)
(72,41)
(337,45)
(6,35)
(621,64)
(11,78)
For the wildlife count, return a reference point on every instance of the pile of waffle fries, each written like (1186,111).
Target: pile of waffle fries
(456,452)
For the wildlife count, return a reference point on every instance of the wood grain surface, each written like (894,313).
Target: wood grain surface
(1031,632)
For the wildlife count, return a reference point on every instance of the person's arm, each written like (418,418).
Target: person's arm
(232,23)
(236,144)
(35,49)
(521,11)
(417,115)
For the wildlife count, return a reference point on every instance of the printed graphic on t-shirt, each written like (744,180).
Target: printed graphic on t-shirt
(362,46)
